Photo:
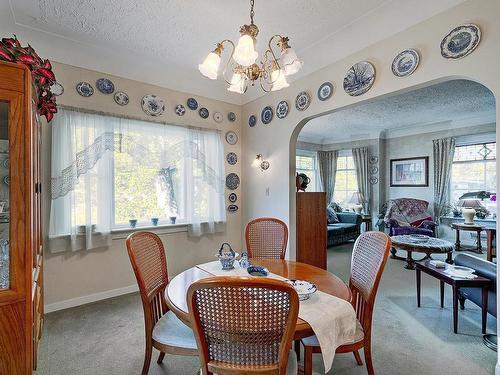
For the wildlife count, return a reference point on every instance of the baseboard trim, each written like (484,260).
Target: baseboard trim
(83,300)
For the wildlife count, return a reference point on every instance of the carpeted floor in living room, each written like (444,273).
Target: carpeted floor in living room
(107,337)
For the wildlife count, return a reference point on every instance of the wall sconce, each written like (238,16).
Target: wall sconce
(261,163)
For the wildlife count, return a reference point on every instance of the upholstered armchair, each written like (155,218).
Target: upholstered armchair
(409,216)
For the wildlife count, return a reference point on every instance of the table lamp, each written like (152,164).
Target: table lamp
(357,200)
(469,207)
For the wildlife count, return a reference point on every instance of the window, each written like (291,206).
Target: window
(305,162)
(345,180)
(474,169)
(108,170)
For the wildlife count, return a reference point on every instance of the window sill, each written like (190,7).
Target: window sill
(121,233)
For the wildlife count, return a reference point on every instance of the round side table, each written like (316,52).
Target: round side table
(468,228)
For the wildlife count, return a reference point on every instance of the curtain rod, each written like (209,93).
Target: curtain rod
(136,118)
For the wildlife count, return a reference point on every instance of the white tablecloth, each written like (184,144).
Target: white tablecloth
(332,319)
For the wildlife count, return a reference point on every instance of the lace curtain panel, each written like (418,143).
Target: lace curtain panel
(360,157)
(106,170)
(327,161)
(443,152)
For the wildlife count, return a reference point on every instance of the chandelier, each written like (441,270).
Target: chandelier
(270,73)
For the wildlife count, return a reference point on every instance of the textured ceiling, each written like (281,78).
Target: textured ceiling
(453,103)
(162,41)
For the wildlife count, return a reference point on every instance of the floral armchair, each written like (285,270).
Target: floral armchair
(409,216)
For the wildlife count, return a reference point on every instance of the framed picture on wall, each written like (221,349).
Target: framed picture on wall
(410,172)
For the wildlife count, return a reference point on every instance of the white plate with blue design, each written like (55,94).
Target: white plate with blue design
(460,41)
(232,158)
(325,91)
(105,86)
(282,109)
(302,101)
(405,63)
(231,138)
(359,79)
(192,104)
(85,89)
(267,115)
(121,98)
(180,110)
(252,121)
(231,116)
(153,105)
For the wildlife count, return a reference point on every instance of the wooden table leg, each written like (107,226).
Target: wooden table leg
(479,245)
(457,239)
(484,309)
(449,258)
(489,245)
(441,287)
(418,273)
(455,309)
(410,264)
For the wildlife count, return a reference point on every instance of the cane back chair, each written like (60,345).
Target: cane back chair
(266,237)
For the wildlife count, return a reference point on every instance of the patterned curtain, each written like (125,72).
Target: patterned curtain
(360,157)
(443,151)
(327,170)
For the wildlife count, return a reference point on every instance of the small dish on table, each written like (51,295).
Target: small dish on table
(303,288)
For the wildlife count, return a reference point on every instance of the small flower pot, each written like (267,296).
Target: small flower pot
(132,223)
(154,221)
(172,219)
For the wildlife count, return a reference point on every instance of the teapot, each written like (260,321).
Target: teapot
(226,258)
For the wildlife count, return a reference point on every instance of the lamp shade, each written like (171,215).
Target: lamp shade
(356,198)
(290,61)
(237,83)
(279,80)
(245,53)
(210,66)
(470,203)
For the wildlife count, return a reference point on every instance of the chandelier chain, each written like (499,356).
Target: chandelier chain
(252,12)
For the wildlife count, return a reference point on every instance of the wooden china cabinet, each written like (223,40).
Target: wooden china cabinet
(21,251)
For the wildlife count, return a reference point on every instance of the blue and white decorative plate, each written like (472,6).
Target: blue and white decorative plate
(85,89)
(218,117)
(282,109)
(267,115)
(232,208)
(232,181)
(252,121)
(192,104)
(461,41)
(359,78)
(231,116)
(105,86)
(302,101)
(121,98)
(232,197)
(56,89)
(231,138)
(325,91)
(180,110)
(231,158)
(203,112)
(153,105)
(405,63)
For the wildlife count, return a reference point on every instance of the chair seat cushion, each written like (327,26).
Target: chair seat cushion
(171,331)
(358,336)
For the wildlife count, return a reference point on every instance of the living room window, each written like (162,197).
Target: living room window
(474,169)
(345,180)
(306,162)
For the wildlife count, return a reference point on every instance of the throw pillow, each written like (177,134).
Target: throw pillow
(332,217)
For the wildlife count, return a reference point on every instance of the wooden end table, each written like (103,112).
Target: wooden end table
(468,228)
(432,246)
(456,284)
(491,234)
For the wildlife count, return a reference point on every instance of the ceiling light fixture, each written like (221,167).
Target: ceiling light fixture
(271,72)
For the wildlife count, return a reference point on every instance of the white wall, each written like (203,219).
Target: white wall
(74,278)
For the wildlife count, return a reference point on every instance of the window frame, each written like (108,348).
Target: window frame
(346,153)
(314,155)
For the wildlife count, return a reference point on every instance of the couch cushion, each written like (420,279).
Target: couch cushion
(335,228)
(331,215)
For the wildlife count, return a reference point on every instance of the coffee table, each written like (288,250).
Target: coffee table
(431,246)
(456,284)
(468,228)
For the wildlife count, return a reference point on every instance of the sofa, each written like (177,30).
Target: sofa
(409,216)
(485,269)
(346,228)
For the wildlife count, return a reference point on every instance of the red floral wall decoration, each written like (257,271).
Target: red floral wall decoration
(41,72)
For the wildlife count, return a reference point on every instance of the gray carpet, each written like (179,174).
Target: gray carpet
(107,337)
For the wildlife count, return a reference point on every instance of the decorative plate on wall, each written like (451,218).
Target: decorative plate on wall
(231,158)
(302,101)
(252,121)
(232,181)
(232,197)
(232,208)
(282,109)
(325,91)
(405,63)
(359,78)
(105,86)
(203,112)
(85,89)
(153,105)
(192,104)
(180,110)
(56,89)
(231,137)
(461,41)
(121,98)
(231,116)
(266,115)
(373,159)
(218,117)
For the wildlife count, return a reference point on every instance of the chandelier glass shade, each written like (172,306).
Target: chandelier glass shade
(242,69)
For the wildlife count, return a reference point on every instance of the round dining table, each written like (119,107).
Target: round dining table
(176,291)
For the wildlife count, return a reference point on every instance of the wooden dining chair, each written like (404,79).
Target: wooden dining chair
(266,237)
(369,257)
(244,325)
(164,331)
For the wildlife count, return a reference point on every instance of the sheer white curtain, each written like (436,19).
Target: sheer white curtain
(107,170)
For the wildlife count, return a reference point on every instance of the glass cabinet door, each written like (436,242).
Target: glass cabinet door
(4,197)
